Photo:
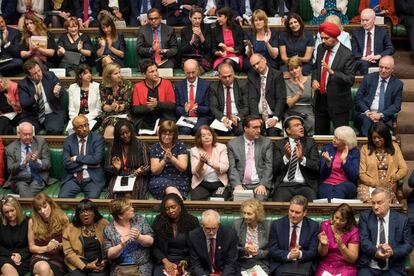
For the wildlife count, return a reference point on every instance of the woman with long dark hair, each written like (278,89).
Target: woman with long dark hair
(171,229)
(129,157)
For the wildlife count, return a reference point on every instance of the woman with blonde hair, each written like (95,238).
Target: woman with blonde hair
(253,232)
(9,102)
(339,167)
(45,237)
(115,98)
(14,246)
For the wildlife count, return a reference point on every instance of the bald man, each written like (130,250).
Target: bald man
(192,98)
(28,163)
(83,156)
(379,97)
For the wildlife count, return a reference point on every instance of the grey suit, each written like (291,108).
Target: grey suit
(263,156)
(261,258)
(20,179)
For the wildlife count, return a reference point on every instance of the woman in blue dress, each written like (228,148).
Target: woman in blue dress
(169,162)
(323,8)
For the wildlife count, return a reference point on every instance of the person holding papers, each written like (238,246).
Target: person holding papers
(129,157)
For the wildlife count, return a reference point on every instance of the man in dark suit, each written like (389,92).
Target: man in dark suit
(369,43)
(138,9)
(379,97)
(191,96)
(293,241)
(405,11)
(228,101)
(83,155)
(242,10)
(176,11)
(295,163)
(87,17)
(28,163)
(9,11)
(332,80)
(211,6)
(282,8)
(9,49)
(250,160)
(213,248)
(385,238)
(41,99)
(157,41)
(267,93)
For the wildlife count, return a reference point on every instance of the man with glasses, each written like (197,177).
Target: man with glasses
(267,93)
(28,162)
(83,155)
(157,41)
(213,248)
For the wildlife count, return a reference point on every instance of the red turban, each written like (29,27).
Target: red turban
(331,29)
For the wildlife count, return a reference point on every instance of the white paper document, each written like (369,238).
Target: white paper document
(257,269)
(187,121)
(149,131)
(341,200)
(216,124)
(243,195)
(9,115)
(124,184)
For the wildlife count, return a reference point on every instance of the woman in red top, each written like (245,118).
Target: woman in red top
(9,105)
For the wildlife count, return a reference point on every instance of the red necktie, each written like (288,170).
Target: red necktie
(191,113)
(79,175)
(293,238)
(228,103)
(368,50)
(85,10)
(212,252)
(157,56)
(324,72)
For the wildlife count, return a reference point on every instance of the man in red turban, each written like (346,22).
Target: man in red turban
(330,29)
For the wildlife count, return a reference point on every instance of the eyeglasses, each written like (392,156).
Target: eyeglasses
(153,18)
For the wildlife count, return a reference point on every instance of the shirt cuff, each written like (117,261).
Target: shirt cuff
(7,45)
(285,160)
(303,162)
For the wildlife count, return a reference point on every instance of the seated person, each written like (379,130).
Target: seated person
(261,40)
(296,41)
(383,8)
(139,9)
(219,257)
(323,8)
(176,12)
(227,41)
(386,239)
(210,7)
(171,239)
(9,49)
(56,12)
(382,164)
(153,98)
(192,96)
(339,167)
(9,12)
(339,243)
(128,156)
(282,8)
(83,241)
(118,10)
(87,13)
(379,97)
(83,155)
(41,99)
(250,159)
(169,161)
(228,101)
(369,43)
(293,241)
(209,165)
(295,163)
(10,105)
(28,163)
(242,10)
(157,41)
(29,8)
(253,232)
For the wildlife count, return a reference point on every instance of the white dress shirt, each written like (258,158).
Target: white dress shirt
(375,102)
(298,175)
(374,263)
(372,41)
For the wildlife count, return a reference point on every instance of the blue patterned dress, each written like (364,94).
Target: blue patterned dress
(330,7)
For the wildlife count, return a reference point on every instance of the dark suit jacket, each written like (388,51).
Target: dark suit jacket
(238,7)
(366,94)
(220,3)
(136,10)
(404,7)
(201,98)
(225,253)
(78,8)
(263,157)
(168,11)
(145,39)
(275,92)
(310,172)
(217,102)
(238,36)
(93,158)
(338,88)
(273,6)
(67,6)
(100,5)
(399,238)
(27,91)
(279,242)
(16,171)
(382,43)
(9,11)
(186,35)
(13,50)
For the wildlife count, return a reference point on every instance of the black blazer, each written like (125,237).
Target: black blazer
(338,87)
(273,6)
(187,34)
(9,11)
(13,50)
(67,6)
(217,38)
(275,92)
(310,172)
(238,7)
(136,10)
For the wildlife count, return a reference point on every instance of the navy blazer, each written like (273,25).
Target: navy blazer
(351,167)
(13,50)
(279,242)
(201,98)
(399,238)
(9,11)
(382,42)
(93,158)
(366,94)
(225,254)
(238,7)
(136,10)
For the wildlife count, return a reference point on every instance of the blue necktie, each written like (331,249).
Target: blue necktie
(382,96)
(35,176)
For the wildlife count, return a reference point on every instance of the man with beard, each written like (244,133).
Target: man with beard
(332,79)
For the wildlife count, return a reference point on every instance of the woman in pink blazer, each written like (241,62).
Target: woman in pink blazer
(209,165)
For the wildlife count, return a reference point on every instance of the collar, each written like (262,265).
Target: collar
(79,139)
(194,83)
(386,80)
(291,140)
(386,218)
(265,74)
(372,31)
(231,86)
(247,141)
(299,225)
